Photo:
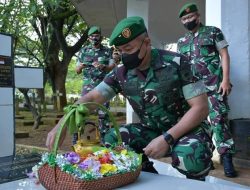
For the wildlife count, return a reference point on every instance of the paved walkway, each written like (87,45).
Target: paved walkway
(242,179)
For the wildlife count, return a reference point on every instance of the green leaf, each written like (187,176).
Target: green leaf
(52,160)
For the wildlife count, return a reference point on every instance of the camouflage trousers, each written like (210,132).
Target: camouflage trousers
(103,118)
(218,118)
(191,154)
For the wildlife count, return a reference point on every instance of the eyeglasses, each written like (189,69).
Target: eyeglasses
(188,17)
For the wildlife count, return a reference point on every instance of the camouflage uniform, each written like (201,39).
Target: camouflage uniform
(202,49)
(158,99)
(93,76)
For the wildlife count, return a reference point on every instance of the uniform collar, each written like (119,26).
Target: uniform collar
(96,49)
(156,59)
(155,64)
(201,29)
(154,54)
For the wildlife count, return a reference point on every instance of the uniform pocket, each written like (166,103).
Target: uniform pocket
(185,50)
(88,59)
(131,88)
(207,47)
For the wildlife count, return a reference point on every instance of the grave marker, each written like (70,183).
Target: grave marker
(58,103)
(7,98)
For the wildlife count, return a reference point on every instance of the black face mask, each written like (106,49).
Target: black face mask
(95,41)
(191,25)
(131,61)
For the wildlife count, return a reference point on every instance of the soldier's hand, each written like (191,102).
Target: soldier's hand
(225,88)
(52,135)
(79,68)
(98,65)
(101,67)
(82,65)
(157,148)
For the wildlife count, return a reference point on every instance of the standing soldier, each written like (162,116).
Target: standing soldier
(204,45)
(94,61)
(116,56)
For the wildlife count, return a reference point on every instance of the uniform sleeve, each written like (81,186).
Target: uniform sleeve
(78,62)
(105,90)
(80,57)
(193,89)
(111,80)
(178,46)
(191,85)
(111,60)
(220,40)
(186,71)
(106,56)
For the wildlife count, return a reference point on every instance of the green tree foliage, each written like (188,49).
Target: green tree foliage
(74,81)
(47,33)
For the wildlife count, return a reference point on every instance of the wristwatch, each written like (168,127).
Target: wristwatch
(168,138)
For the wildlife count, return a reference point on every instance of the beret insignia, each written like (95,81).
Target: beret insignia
(126,33)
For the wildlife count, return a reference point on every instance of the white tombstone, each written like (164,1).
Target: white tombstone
(6,97)
(28,77)
(11,78)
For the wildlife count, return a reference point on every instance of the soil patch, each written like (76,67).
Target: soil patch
(37,138)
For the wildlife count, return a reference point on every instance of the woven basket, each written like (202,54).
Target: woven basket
(55,179)
(52,178)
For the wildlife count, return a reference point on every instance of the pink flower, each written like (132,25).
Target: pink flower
(90,163)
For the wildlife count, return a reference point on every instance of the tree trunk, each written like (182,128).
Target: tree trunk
(36,115)
(58,84)
(58,68)
(60,87)
(41,97)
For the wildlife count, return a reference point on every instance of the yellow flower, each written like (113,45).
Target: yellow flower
(105,168)
(105,151)
(124,151)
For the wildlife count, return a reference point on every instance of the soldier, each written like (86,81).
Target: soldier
(170,102)
(94,61)
(116,56)
(203,46)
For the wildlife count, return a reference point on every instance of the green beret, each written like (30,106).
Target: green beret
(93,30)
(127,30)
(188,8)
